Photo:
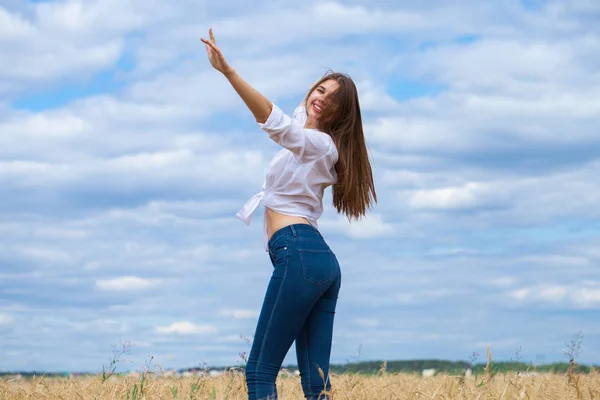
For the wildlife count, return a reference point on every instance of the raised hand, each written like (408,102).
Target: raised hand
(215,56)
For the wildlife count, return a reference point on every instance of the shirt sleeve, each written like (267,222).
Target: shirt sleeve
(307,145)
(300,114)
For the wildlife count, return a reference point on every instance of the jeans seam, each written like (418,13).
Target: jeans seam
(307,361)
(273,312)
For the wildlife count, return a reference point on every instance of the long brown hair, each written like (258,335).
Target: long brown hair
(354,192)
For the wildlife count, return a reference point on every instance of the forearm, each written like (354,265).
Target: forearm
(258,104)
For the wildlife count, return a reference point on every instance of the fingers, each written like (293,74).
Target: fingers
(206,42)
(212,36)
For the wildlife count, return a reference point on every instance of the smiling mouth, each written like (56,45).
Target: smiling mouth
(317,108)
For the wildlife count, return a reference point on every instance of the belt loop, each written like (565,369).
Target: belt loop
(293,229)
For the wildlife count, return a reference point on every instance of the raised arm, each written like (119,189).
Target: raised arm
(287,132)
(258,104)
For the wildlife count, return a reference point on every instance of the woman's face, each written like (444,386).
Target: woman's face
(317,102)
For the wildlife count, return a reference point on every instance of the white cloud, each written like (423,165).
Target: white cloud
(335,19)
(69,38)
(367,322)
(126,283)
(371,226)
(45,126)
(492,105)
(470,195)
(503,282)
(497,198)
(460,251)
(422,296)
(555,260)
(59,64)
(239,314)
(186,328)
(373,97)
(177,167)
(99,325)
(6,319)
(405,177)
(46,254)
(582,295)
(588,297)
(12,26)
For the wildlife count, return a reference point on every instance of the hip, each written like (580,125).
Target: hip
(276,221)
(298,251)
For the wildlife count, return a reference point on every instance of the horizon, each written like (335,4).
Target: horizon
(287,366)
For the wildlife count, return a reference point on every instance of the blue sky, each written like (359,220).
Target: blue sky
(124,158)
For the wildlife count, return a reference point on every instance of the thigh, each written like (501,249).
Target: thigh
(288,301)
(314,341)
(265,316)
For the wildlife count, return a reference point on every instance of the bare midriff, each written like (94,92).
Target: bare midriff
(276,221)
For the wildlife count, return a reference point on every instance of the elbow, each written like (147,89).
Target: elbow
(261,119)
(264,114)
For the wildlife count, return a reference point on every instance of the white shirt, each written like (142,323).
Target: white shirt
(299,174)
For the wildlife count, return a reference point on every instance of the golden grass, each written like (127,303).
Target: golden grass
(232,386)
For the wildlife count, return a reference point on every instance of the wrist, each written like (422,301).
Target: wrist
(229,72)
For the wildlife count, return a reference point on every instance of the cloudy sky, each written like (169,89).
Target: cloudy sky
(124,157)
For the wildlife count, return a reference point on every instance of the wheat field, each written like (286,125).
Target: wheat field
(346,386)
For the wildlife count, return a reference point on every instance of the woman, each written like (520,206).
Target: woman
(323,145)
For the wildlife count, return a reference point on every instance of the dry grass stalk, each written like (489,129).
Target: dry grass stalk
(232,386)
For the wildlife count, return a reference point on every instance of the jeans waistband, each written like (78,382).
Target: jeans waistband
(293,230)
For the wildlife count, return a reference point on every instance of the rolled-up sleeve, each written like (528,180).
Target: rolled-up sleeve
(306,144)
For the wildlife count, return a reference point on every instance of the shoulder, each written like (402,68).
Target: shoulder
(327,142)
(300,114)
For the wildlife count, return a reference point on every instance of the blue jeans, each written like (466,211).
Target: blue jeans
(299,305)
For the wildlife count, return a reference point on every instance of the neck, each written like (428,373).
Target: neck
(310,124)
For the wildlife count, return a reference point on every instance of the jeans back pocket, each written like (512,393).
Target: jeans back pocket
(317,265)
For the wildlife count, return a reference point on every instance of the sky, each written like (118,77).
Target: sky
(124,158)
